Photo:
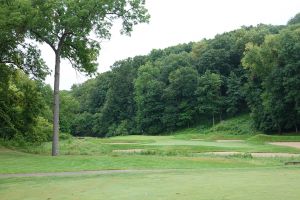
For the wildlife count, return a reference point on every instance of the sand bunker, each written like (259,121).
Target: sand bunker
(256,155)
(287,155)
(287,144)
(128,150)
(230,140)
(120,143)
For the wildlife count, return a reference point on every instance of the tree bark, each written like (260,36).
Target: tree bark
(55,149)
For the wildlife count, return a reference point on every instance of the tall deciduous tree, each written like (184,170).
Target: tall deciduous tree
(276,64)
(235,97)
(66,26)
(181,92)
(209,94)
(148,96)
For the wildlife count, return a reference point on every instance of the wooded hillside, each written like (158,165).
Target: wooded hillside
(252,69)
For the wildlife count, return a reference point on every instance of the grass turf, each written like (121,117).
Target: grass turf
(215,184)
(17,162)
(197,177)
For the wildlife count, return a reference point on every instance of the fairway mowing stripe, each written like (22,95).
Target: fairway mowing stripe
(123,171)
(82,173)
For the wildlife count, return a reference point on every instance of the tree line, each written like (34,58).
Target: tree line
(253,69)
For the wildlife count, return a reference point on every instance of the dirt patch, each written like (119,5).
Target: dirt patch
(230,140)
(287,144)
(256,155)
(128,150)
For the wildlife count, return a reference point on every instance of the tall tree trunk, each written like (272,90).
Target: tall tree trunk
(213,119)
(55,150)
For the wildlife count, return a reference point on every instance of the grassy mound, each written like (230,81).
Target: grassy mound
(239,127)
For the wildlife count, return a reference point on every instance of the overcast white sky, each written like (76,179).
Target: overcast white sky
(179,21)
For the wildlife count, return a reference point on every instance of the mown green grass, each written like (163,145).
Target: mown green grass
(216,184)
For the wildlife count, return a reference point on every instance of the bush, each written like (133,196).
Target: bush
(42,132)
(65,136)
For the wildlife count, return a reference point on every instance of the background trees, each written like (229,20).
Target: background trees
(197,82)
(252,69)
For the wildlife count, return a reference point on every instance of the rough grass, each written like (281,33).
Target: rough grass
(235,128)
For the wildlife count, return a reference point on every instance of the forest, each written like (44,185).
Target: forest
(254,69)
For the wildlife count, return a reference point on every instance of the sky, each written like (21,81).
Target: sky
(177,21)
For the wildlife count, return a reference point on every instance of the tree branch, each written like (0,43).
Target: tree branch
(44,39)
(62,39)
(13,64)
(8,62)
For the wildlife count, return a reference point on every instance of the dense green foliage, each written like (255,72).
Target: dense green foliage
(15,51)
(24,110)
(274,80)
(196,83)
(251,69)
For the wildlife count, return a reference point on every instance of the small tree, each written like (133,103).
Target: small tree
(66,26)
